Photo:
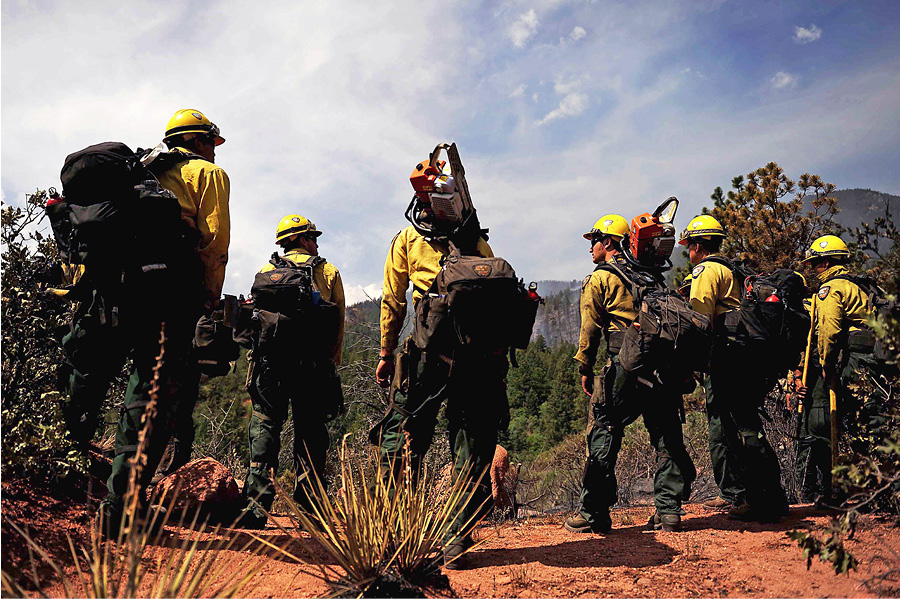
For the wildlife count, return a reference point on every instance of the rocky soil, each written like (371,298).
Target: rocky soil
(536,557)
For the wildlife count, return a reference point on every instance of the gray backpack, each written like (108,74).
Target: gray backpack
(668,340)
(477,303)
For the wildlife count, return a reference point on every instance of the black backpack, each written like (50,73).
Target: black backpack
(771,326)
(739,268)
(125,228)
(477,303)
(866,341)
(160,159)
(289,316)
(668,340)
(774,323)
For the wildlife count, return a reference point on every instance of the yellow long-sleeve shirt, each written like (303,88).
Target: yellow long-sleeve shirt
(411,259)
(202,189)
(606,306)
(840,306)
(713,289)
(328,280)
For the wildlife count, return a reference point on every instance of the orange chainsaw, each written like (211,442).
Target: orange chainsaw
(651,238)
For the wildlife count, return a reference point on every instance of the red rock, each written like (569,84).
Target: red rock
(504,480)
(205,484)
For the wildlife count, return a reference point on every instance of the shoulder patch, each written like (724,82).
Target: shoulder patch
(823,291)
(697,270)
(585,282)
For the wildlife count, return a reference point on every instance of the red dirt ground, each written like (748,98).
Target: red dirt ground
(714,556)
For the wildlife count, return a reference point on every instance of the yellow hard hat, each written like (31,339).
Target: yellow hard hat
(702,227)
(827,246)
(611,224)
(189,120)
(294,224)
(685,286)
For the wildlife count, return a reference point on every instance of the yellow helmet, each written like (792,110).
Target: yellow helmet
(189,120)
(827,246)
(611,224)
(702,227)
(294,224)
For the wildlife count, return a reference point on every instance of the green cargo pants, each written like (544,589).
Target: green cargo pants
(174,381)
(94,356)
(814,439)
(620,401)
(95,353)
(724,462)
(735,381)
(274,386)
(474,387)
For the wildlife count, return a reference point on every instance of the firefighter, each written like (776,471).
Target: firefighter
(471,381)
(607,309)
(299,372)
(745,466)
(202,189)
(843,345)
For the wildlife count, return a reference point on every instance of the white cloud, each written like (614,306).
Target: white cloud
(577,33)
(783,80)
(688,71)
(320,94)
(519,91)
(301,89)
(803,35)
(572,104)
(353,294)
(567,86)
(523,28)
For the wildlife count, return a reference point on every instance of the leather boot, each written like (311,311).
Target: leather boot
(665,522)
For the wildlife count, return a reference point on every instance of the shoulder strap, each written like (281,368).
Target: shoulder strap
(158,161)
(455,252)
(610,268)
(632,287)
(868,285)
(279,261)
(719,260)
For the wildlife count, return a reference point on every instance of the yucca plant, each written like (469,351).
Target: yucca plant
(122,568)
(385,538)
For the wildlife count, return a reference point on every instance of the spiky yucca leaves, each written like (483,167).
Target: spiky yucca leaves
(187,567)
(389,532)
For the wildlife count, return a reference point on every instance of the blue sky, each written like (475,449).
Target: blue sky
(563,111)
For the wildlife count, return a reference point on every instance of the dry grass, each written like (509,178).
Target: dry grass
(130,565)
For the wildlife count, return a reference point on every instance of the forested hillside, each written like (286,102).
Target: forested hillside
(558,319)
(864,206)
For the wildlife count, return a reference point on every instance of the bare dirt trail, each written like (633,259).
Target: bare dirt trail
(713,557)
